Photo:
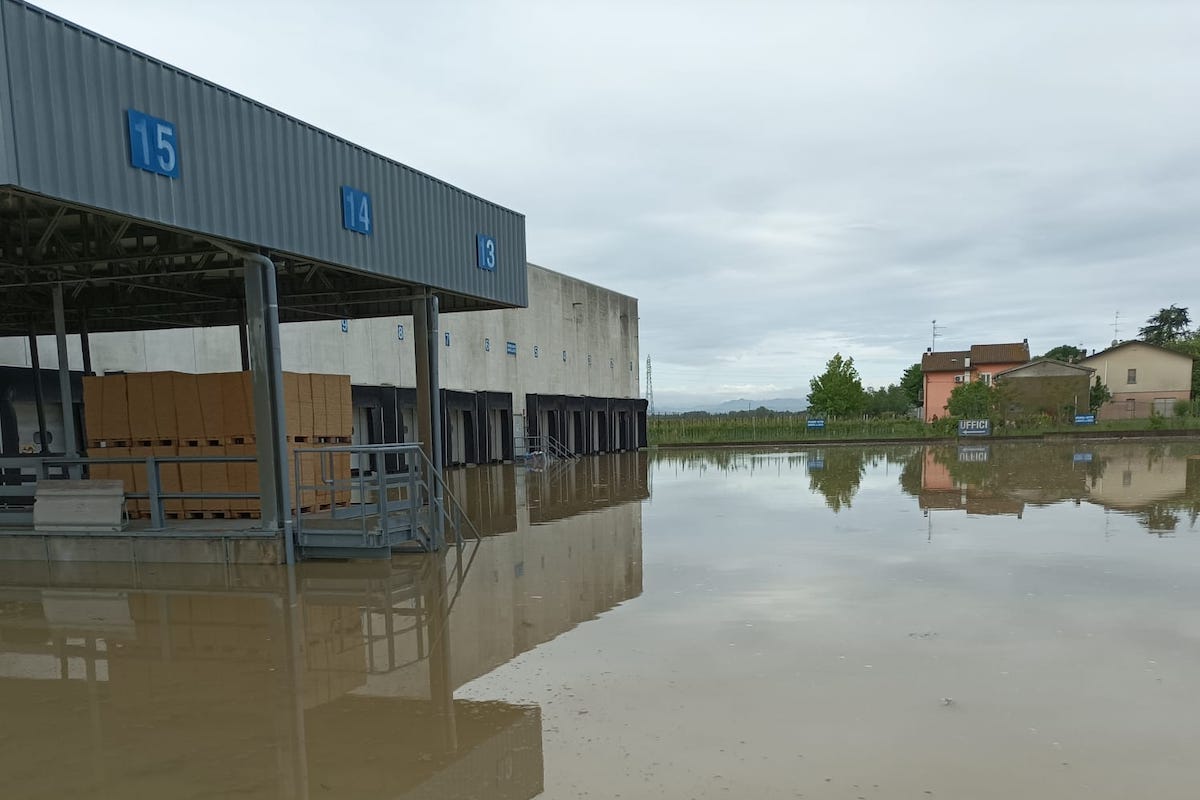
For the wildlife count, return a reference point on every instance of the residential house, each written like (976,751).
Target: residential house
(1054,388)
(943,370)
(1143,378)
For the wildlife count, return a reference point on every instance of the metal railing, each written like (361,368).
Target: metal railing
(396,491)
(544,444)
(28,470)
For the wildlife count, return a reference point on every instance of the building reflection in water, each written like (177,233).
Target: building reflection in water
(1156,482)
(336,680)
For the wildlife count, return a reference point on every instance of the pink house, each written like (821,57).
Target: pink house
(942,371)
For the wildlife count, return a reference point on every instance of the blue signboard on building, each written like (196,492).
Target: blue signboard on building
(1081,458)
(485,247)
(356,210)
(974,427)
(153,144)
(1085,419)
(511,348)
(815,423)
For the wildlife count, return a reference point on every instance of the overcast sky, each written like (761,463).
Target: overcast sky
(775,181)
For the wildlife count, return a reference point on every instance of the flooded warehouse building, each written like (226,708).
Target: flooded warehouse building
(252,320)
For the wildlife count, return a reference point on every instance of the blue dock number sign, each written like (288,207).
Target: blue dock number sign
(356,210)
(485,247)
(153,144)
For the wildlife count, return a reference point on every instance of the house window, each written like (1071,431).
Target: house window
(1131,376)
(1130,407)
(986,377)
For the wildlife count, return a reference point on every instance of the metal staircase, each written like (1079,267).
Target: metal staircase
(545,448)
(395,502)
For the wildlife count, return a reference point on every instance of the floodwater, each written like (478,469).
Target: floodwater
(990,621)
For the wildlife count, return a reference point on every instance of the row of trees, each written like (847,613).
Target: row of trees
(838,392)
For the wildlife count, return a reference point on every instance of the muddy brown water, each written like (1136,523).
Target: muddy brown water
(991,621)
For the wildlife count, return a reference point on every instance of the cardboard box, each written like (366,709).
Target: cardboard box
(243,476)
(139,392)
(122,472)
(251,484)
(141,481)
(191,478)
(93,407)
(115,409)
(163,387)
(322,425)
(189,419)
(306,421)
(168,475)
(212,405)
(346,405)
(236,413)
(342,470)
(291,403)
(248,400)
(214,477)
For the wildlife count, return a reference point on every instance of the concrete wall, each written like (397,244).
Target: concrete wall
(564,315)
(1059,396)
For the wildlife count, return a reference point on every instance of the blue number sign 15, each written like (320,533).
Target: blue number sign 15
(153,144)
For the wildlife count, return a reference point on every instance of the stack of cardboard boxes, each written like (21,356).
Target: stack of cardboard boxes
(176,413)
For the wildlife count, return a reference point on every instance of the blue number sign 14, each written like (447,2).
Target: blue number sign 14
(356,210)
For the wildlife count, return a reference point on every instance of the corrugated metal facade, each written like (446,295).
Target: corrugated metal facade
(246,172)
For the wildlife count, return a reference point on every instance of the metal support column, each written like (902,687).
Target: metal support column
(39,392)
(429,406)
(262,313)
(243,343)
(85,343)
(70,445)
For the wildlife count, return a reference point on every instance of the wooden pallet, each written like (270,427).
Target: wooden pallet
(200,443)
(221,514)
(101,444)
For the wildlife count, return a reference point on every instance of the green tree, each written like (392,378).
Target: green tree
(1168,325)
(1098,395)
(891,399)
(1190,345)
(912,381)
(974,400)
(1065,352)
(839,391)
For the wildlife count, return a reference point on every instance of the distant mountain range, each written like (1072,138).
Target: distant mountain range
(776,404)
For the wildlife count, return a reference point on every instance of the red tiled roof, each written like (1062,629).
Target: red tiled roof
(1015,353)
(945,361)
(956,360)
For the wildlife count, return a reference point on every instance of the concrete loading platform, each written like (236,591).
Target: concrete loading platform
(135,196)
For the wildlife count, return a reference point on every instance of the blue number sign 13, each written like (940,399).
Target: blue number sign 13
(153,144)
(485,248)
(356,210)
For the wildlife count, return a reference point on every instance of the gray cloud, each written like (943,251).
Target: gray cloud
(774,181)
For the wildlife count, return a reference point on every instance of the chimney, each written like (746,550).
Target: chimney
(1025,340)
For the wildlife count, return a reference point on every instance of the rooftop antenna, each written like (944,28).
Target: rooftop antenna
(1116,327)
(934,332)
